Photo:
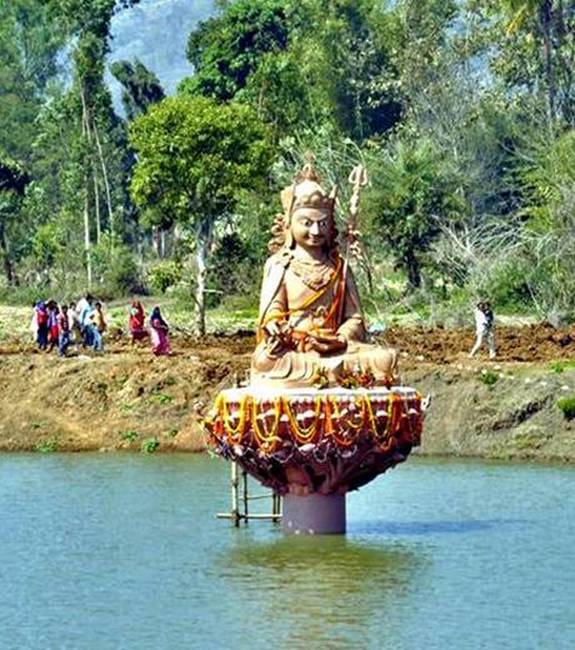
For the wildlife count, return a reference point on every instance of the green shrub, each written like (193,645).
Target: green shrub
(47,446)
(164,275)
(116,269)
(488,377)
(149,445)
(567,406)
(129,436)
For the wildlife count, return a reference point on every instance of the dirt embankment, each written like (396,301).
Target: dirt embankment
(129,400)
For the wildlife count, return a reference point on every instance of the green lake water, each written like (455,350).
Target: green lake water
(124,551)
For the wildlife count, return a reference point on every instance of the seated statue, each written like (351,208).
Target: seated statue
(310,318)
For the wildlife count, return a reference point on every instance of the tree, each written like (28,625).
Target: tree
(194,157)
(226,49)
(88,22)
(413,191)
(141,87)
(30,44)
(13,181)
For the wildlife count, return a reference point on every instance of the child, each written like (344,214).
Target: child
(98,327)
(64,331)
(159,333)
(484,320)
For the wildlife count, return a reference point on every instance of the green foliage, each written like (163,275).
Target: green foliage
(413,191)
(462,112)
(47,446)
(115,267)
(226,49)
(150,445)
(200,154)
(129,436)
(164,274)
(561,366)
(160,398)
(488,377)
(567,406)
(141,87)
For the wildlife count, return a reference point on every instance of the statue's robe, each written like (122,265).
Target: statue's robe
(334,304)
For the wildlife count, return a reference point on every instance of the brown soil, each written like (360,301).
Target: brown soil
(127,397)
(529,343)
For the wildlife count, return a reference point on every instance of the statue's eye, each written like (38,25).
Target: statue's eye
(307,223)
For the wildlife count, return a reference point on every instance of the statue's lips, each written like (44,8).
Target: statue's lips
(315,241)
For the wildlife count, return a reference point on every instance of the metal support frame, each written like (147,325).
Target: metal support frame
(241,499)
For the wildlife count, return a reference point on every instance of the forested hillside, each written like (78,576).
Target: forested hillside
(462,112)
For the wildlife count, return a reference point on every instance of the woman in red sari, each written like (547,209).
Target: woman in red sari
(137,322)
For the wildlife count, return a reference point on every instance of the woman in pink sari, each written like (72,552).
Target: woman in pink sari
(159,333)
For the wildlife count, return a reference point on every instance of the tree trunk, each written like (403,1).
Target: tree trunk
(6,261)
(201,251)
(413,270)
(97,209)
(87,242)
(203,242)
(546,20)
(106,182)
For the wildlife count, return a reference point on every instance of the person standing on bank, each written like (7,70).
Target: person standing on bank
(484,321)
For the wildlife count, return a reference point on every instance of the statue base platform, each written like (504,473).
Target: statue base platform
(314,514)
(311,446)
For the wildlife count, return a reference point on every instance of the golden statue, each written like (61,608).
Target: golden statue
(310,320)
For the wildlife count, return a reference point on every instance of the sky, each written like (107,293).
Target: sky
(156,32)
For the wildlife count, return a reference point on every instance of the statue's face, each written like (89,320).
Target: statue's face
(310,227)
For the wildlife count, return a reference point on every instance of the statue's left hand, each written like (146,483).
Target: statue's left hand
(327,344)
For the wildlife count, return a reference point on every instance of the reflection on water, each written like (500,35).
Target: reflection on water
(124,551)
(332,590)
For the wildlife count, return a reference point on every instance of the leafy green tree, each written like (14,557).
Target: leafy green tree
(226,49)
(13,181)
(29,47)
(88,23)
(194,157)
(412,194)
(141,87)
(532,51)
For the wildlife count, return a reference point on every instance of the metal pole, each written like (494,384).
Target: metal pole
(245,478)
(235,500)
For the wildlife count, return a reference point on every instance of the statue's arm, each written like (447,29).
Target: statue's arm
(273,298)
(352,327)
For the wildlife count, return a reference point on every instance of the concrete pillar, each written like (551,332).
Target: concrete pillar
(315,514)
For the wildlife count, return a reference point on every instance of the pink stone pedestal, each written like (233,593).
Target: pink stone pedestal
(315,514)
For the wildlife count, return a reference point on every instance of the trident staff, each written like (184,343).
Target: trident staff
(358,179)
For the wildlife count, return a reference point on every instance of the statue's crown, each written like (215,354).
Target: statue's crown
(306,192)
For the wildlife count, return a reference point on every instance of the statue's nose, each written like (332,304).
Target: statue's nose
(314,229)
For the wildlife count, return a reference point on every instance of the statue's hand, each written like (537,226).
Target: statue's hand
(278,336)
(275,328)
(327,344)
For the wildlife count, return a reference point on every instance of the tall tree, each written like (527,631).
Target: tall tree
(193,158)
(13,181)
(88,22)
(226,49)
(141,87)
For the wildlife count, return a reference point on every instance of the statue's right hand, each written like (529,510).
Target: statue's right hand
(274,328)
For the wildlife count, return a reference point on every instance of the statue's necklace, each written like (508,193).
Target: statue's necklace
(314,274)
